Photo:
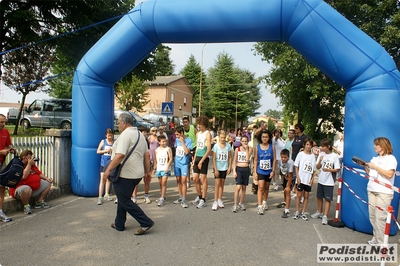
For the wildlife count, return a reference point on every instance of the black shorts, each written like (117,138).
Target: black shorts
(285,181)
(204,166)
(325,192)
(267,178)
(304,187)
(243,174)
(222,174)
(192,152)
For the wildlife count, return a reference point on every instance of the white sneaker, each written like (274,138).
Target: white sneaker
(214,206)
(324,220)
(265,205)
(301,200)
(276,187)
(234,208)
(99,201)
(134,200)
(220,204)
(147,200)
(4,218)
(196,200)
(184,204)
(242,206)
(296,215)
(108,198)
(293,197)
(160,202)
(317,215)
(178,201)
(201,204)
(260,210)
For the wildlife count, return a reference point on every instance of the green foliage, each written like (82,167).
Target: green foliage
(274,114)
(192,71)
(162,62)
(271,125)
(227,85)
(132,94)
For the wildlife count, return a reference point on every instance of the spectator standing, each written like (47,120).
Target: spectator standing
(5,149)
(289,141)
(279,145)
(135,168)
(105,149)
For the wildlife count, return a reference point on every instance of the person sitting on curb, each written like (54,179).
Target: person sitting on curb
(32,184)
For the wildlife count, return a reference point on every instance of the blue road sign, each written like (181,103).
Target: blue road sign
(167,108)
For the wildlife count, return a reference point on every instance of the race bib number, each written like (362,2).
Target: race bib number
(200,143)
(265,164)
(237,139)
(179,151)
(327,164)
(307,167)
(242,157)
(223,156)
(162,160)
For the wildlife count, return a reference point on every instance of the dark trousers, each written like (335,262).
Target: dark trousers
(123,190)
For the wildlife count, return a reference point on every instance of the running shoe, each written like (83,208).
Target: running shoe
(178,201)
(99,201)
(317,215)
(147,200)
(260,210)
(27,209)
(265,205)
(285,215)
(220,204)
(281,205)
(160,202)
(214,206)
(184,204)
(293,197)
(4,217)
(276,187)
(201,204)
(242,206)
(42,204)
(134,200)
(304,216)
(234,208)
(196,200)
(296,215)
(372,242)
(324,220)
(108,198)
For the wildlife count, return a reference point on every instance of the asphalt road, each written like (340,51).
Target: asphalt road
(76,231)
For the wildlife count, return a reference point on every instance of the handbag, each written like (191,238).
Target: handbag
(114,174)
(12,173)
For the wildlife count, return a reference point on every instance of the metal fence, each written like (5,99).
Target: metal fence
(41,147)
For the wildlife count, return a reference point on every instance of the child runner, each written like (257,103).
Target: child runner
(305,171)
(286,173)
(153,144)
(241,172)
(105,149)
(183,147)
(279,144)
(200,165)
(222,162)
(162,166)
(264,165)
(329,163)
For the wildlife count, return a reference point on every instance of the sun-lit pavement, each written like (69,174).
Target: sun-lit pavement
(76,231)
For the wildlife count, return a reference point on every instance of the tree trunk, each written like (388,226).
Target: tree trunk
(19,113)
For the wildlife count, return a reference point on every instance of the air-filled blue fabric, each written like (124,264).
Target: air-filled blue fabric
(324,37)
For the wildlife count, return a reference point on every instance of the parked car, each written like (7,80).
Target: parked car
(154,118)
(51,113)
(138,120)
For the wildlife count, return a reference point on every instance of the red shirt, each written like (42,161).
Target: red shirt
(5,141)
(33,181)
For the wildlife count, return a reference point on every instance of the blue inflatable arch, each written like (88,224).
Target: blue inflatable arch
(318,32)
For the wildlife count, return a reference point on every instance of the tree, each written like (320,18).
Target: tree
(132,93)
(274,114)
(27,75)
(162,63)
(225,84)
(270,125)
(192,71)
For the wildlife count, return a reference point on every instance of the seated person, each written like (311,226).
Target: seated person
(32,184)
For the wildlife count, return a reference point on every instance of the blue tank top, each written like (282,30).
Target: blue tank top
(265,160)
(106,156)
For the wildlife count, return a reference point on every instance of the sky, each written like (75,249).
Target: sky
(241,53)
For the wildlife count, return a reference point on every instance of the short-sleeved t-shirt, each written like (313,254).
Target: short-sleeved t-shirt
(286,168)
(306,164)
(386,162)
(297,144)
(133,167)
(222,155)
(330,161)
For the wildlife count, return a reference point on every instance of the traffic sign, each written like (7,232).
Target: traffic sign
(167,108)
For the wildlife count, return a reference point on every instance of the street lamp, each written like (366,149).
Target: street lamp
(236,113)
(201,77)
